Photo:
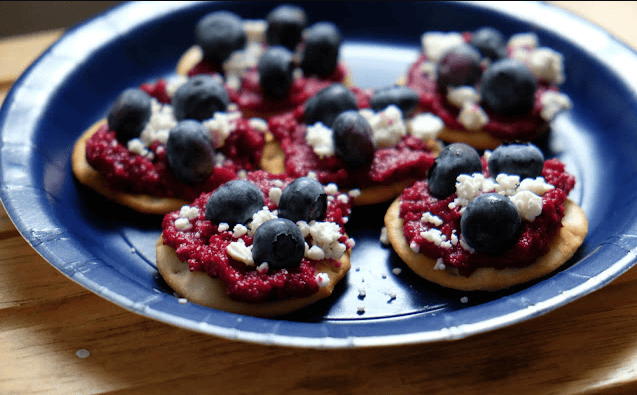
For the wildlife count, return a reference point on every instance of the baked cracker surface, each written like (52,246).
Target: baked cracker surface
(200,288)
(562,248)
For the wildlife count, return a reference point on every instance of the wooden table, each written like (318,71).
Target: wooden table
(58,338)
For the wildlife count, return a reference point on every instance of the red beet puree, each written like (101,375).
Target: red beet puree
(409,159)
(204,247)
(533,243)
(129,172)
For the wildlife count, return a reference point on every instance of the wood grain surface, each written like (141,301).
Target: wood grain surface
(58,338)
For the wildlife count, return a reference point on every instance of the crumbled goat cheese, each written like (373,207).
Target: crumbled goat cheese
(315,252)
(259,124)
(275,195)
(354,193)
(392,295)
(239,251)
(472,116)
(312,175)
(325,235)
(218,159)
(161,121)
(460,95)
(396,270)
(278,183)
(242,175)
(414,247)
(173,83)
(428,217)
(223,227)
(323,279)
(239,230)
(362,293)
(182,300)
(360,310)
(319,137)
(220,126)
(437,237)
(247,57)
(554,103)
(439,265)
(343,198)
(384,238)
(528,40)
(464,299)
(137,146)
(547,64)
(506,184)
(425,126)
(436,44)
(528,205)
(536,185)
(259,218)
(263,268)
(304,228)
(387,125)
(183,224)
(468,187)
(331,188)
(429,68)
(188,212)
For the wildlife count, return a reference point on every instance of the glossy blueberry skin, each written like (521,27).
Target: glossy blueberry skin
(285,26)
(275,72)
(304,199)
(129,114)
(403,97)
(219,34)
(453,160)
(235,202)
(199,98)
(490,42)
(279,242)
(508,88)
(524,160)
(459,66)
(189,151)
(328,103)
(352,135)
(491,224)
(322,46)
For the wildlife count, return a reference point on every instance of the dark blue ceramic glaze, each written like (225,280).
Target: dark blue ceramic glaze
(110,249)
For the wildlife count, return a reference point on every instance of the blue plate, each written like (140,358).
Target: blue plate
(110,250)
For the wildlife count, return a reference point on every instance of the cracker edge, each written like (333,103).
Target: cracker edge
(200,288)
(562,248)
(88,176)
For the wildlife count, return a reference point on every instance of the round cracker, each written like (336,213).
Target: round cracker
(88,176)
(273,161)
(200,288)
(562,248)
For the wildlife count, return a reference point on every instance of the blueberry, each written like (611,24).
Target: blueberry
(491,224)
(235,202)
(279,242)
(285,26)
(130,114)
(453,160)
(524,160)
(327,103)
(219,34)
(405,98)
(275,72)
(189,151)
(199,98)
(320,53)
(508,88)
(490,43)
(352,136)
(304,199)
(459,66)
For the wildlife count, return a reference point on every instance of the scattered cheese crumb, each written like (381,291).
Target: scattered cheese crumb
(354,193)
(425,126)
(83,353)
(464,299)
(397,270)
(239,230)
(528,205)
(263,268)
(183,224)
(553,103)
(460,95)
(323,279)
(387,125)
(320,138)
(439,265)
(548,65)
(189,212)
(362,293)
(275,195)
(384,238)
(223,227)
(472,116)
(259,218)
(220,126)
(331,188)
(239,251)
(360,310)
(428,217)
(182,300)
(436,44)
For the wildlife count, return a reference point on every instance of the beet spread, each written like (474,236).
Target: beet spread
(533,243)
(129,172)
(204,248)
(249,96)
(409,159)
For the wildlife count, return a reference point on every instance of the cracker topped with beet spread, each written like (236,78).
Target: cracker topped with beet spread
(269,66)
(486,88)
(490,222)
(265,245)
